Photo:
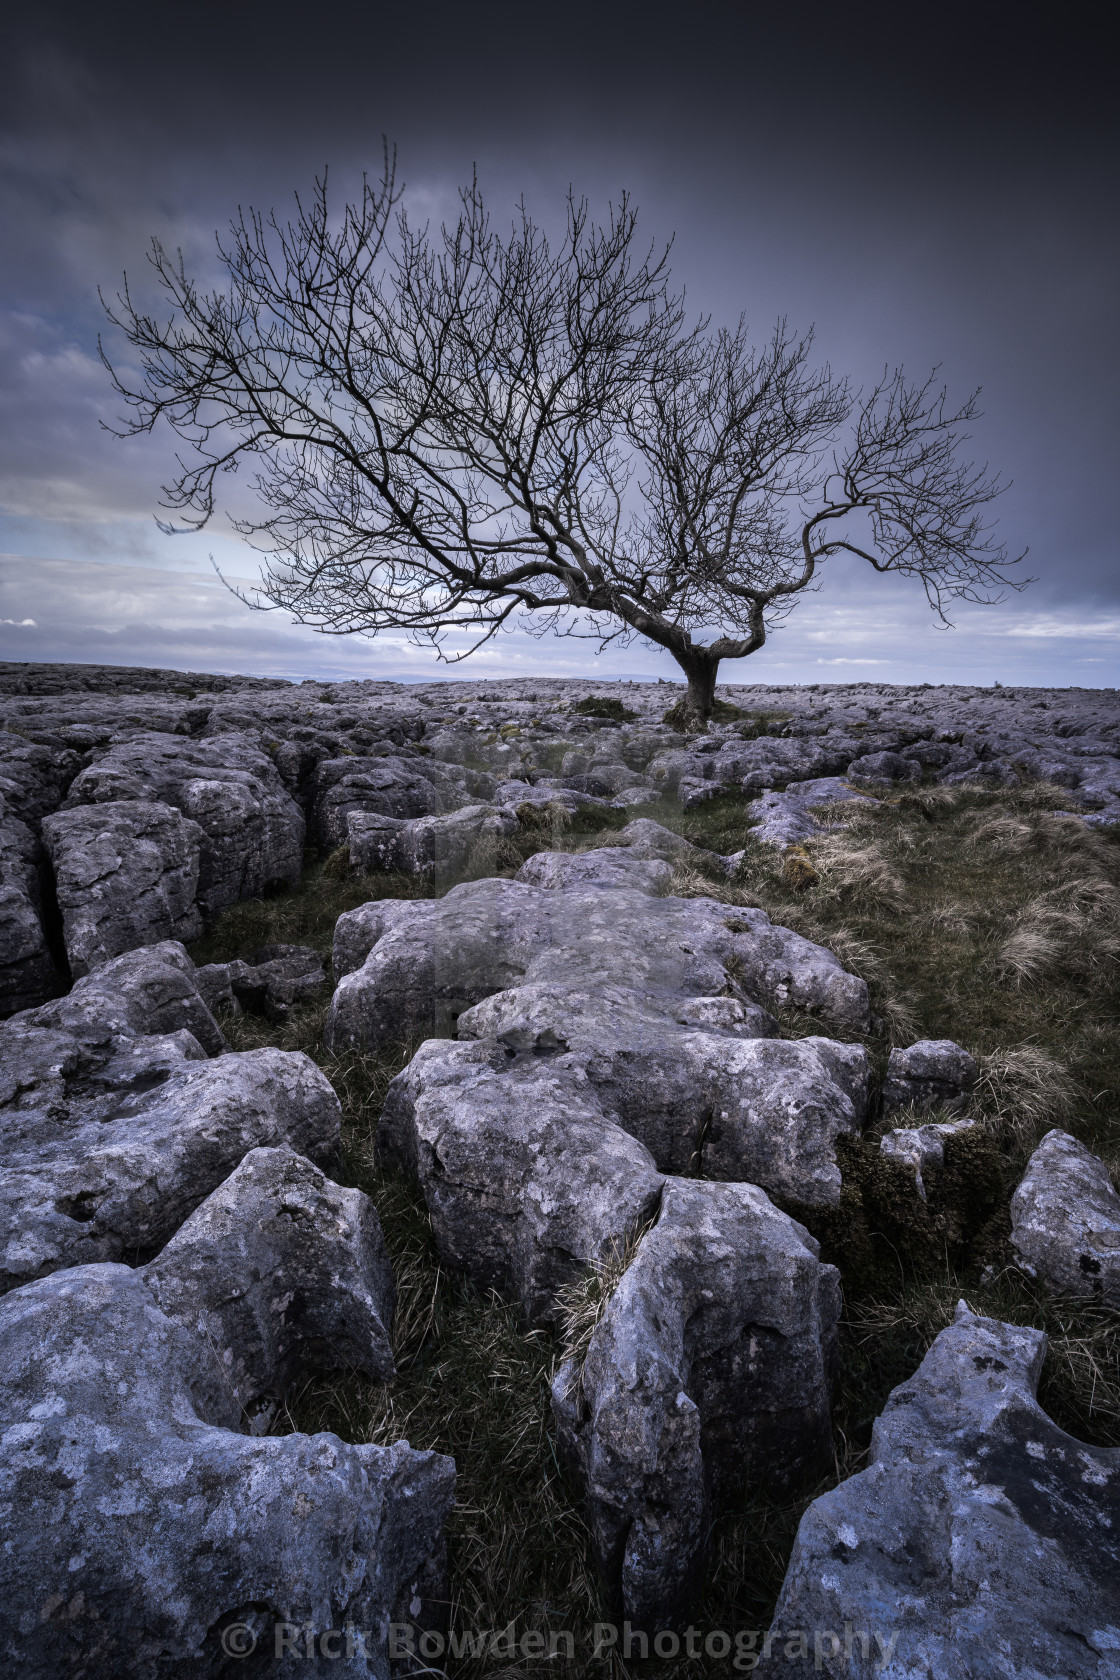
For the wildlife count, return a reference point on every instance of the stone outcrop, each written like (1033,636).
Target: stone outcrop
(275,980)
(1065,1221)
(142,1523)
(922,1148)
(525,1178)
(934,1073)
(423,963)
(710,1369)
(116,1125)
(27,970)
(252,831)
(439,848)
(127,875)
(278,1268)
(981,1540)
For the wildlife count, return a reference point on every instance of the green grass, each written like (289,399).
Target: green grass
(976,916)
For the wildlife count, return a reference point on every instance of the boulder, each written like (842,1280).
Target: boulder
(704,1083)
(922,1148)
(709,1372)
(27,971)
(389,786)
(981,1540)
(152,990)
(280,1268)
(934,1073)
(108,1160)
(648,839)
(1065,1221)
(277,979)
(428,961)
(884,767)
(608,866)
(141,1526)
(126,874)
(252,828)
(436,847)
(783,819)
(526,1180)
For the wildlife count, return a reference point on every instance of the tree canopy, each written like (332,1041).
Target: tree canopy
(449,429)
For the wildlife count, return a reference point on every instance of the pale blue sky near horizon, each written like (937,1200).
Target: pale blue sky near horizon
(950,207)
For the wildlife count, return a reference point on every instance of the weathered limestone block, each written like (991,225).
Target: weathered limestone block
(150,990)
(884,767)
(277,979)
(982,1540)
(711,1369)
(140,1525)
(388,786)
(428,961)
(252,828)
(115,1169)
(704,1083)
(1065,1221)
(783,819)
(27,972)
(525,1178)
(436,847)
(933,1073)
(126,874)
(279,1267)
(922,1148)
(609,866)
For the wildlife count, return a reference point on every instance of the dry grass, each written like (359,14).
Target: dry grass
(584,1301)
(1022,1093)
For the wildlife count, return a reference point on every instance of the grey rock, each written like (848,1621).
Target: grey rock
(388,787)
(526,1180)
(933,1073)
(152,990)
(711,1369)
(252,828)
(276,980)
(922,1147)
(783,819)
(126,874)
(982,1540)
(112,1163)
(139,1524)
(648,839)
(608,866)
(703,1083)
(439,848)
(27,971)
(884,767)
(1065,1221)
(428,961)
(277,1269)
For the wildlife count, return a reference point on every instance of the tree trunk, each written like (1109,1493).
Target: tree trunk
(700,667)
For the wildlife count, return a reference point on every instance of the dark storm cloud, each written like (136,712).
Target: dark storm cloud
(935,190)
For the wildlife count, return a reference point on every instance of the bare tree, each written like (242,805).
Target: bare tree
(445,430)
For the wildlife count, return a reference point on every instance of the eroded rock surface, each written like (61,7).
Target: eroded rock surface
(711,1368)
(982,1540)
(423,963)
(1065,1221)
(934,1073)
(139,1521)
(127,874)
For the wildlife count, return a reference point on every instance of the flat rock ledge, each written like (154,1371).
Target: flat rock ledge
(141,1522)
(982,1540)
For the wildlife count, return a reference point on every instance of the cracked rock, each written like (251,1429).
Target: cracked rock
(437,847)
(424,962)
(922,1147)
(279,1267)
(982,1540)
(140,1524)
(127,874)
(710,1370)
(525,1178)
(1065,1221)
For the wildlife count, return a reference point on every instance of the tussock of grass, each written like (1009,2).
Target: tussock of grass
(583,1302)
(1022,1093)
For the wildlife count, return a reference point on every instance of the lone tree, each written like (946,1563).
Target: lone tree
(445,430)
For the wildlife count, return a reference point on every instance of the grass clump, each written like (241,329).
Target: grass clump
(596,706)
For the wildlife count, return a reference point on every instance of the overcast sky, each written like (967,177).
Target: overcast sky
(936,190)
